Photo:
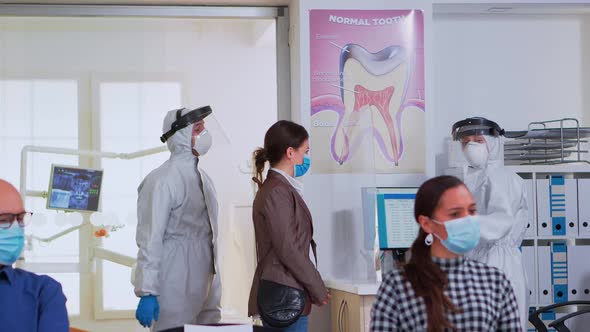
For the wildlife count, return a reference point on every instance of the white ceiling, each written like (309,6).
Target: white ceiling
(156,2)
(513,8)
(539,7)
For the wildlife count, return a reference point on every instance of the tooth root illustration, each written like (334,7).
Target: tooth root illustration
(372,82)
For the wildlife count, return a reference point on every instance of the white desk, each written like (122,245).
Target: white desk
(354,287)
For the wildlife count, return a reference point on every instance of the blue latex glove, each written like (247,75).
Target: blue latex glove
(147,309)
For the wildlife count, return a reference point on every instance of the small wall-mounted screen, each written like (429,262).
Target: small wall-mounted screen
(74,188)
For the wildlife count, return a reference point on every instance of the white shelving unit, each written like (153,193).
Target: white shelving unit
(576,223)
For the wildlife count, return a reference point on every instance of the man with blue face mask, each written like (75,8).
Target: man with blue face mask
(177,279)
(28,302)
(501,201)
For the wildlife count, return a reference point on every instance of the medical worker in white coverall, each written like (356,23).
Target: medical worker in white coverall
(501,201)
(177,278)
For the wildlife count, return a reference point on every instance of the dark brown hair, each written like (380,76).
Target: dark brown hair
(427,279)
(279,137)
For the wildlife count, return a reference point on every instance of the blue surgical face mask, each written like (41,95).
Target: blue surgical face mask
(301,169)
(462,234)
(12,241)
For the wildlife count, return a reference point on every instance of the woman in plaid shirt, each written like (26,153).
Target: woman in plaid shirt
(438,289)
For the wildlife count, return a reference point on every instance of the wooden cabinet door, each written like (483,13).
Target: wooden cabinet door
(352,313)
(336,307)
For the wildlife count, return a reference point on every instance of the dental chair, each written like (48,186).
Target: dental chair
(558,324)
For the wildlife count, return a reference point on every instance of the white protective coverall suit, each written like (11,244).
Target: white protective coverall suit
(501,201)
(176,235)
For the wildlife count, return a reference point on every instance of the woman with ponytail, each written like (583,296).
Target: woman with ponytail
(438,289)
(284,231)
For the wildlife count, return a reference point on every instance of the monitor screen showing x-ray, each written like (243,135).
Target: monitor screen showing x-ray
(74,188)
(396,226)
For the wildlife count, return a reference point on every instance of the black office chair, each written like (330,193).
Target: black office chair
(558,324)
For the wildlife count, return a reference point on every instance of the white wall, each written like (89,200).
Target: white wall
(512,69)
(497,65)
(229,64)
(335,200)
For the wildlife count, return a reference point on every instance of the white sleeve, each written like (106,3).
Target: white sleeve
(154,205)
(506,207)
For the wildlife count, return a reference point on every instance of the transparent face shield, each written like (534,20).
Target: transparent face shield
(472,134)
(475,127)
(472,130)
(183,121)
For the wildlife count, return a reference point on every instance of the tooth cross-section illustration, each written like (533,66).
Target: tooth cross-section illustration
(372,82)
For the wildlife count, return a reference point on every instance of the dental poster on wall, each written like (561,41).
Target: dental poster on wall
(367,91)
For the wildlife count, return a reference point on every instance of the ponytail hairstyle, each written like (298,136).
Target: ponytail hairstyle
(426,278)
(279,137)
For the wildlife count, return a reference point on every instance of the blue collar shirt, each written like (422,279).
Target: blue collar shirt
(31,302)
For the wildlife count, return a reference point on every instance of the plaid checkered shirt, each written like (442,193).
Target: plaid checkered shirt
(482,293)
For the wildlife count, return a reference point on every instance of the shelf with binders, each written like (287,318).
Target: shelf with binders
(550,169)
(556,203)
(557,240)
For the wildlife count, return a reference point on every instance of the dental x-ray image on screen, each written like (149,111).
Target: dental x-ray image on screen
(73,188)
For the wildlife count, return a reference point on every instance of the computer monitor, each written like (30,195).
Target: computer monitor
(396,226)
(74,189)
